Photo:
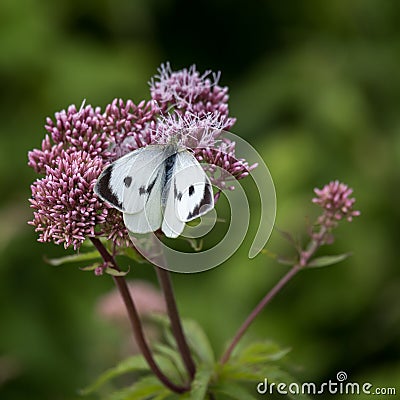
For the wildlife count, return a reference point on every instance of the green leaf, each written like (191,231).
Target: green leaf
(234,391)
(194,333)
(233,371)
(200,383)
(135,363)
(132,364)
(91,267)
(91,255)
(198,341)
(324,261)
(239,372)
(173,355)
(114,272)
(147,387)
(261,352)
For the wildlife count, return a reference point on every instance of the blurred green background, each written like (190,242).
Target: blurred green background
(315,86)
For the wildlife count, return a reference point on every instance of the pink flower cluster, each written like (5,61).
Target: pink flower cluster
(80,143)
(189,92)
(66,210)
(336,202)
(71,131)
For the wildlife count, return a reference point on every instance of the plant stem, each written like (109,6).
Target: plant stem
(305,256)
(176,326)
(135,320)
(267,298)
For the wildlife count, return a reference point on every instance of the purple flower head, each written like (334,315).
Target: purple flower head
(66,210)
(336,202)
(190,130)
(129,126)
(189,92)
(73,130)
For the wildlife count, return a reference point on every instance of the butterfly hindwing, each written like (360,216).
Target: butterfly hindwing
(189,194)
(150,217)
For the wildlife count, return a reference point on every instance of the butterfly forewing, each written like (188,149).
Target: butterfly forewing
(109,185)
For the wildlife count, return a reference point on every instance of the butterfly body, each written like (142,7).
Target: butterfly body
(157,186)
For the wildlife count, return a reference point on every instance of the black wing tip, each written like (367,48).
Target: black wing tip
(103,189)
(205,205)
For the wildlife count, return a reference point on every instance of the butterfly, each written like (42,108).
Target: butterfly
(157,186)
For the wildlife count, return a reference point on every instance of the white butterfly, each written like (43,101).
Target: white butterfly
(157,186)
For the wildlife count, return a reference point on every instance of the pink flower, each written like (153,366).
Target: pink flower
(335,199)
(66,210)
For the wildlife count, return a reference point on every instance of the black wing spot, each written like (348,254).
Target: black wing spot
(191,190)
(178,195)
(144,190)
(128,181)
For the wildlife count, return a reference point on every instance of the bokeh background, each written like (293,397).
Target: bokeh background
(315,87)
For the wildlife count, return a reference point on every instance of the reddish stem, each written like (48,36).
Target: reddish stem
(135,320)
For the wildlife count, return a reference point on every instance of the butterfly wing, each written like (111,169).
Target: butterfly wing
(128,183)
(189,194)
(150,217)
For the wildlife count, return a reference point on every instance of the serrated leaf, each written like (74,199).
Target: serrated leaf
(91,255)
(237,372)
(325,261)
(234,391)
(147,387)
(198,341)
(234,371)
(135,363)
(114,272)
(132,364)
(200,384)
(261,352)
